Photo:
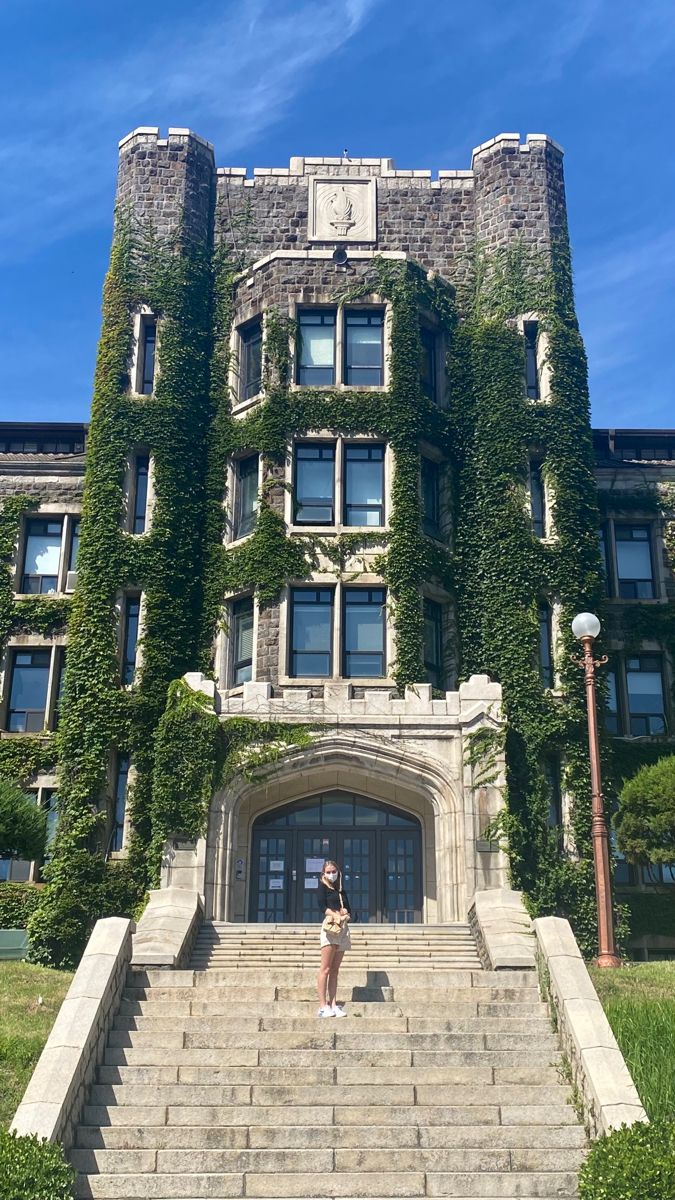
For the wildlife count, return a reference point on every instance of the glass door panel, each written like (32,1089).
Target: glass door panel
(315,848)
(359,871)
(401,879)
(272,865)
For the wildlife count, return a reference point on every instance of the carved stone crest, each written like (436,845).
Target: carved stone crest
(342,210)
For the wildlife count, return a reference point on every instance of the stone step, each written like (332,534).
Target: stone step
(377,1014)
(468,1110)
(319,1035)
(205,1032)
(306,993)
(349,976)
(200,1059)
(466,1069)
(385,1137)
(351,1095)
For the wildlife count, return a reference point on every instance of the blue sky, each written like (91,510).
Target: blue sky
(263,79)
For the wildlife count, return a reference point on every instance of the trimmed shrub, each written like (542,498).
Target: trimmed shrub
(17,902)
(645,821)
(23,826)
(31,1169)
(635,1162)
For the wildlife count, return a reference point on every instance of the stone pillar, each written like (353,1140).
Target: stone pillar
(519,191)
(164,180)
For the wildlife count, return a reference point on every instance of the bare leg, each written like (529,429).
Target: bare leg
(327,953)
(333,975)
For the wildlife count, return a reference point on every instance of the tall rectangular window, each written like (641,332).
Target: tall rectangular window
(42,555)
(147,355)
(315,483)
(60,684)
(242,641)
(246,495)
(50,803)
(121,781)
(251,359)
(612,717)
(430,473)
(603,541)
(363,632)
(364,484)
(433,643)
(316,350)
(531,335)
(634,570)
(644,684)
(552,773)
(364,348)
(28,691)
(311,632)
(132,610)
(74,543)
(546,673)
(428,362)
(537,499)
(140,489)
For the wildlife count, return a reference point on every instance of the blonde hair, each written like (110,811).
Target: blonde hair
(329,862)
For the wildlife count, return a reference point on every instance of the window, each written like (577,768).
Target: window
(635,578)
(545,644)
(140,492)
(315,483)
(311,631)
(552,774)
(49,800)
(60,684)
(316,352)
(147,353)
(28,691)
(74,543)
(121,780)
(603,540)
(132,609)
(364,484)
(42,555)
(246,495)
(251,359)
(612,721)
(363,627)
(364,348)
(433,643)
(428,362)
(644,686)
(242,641)
(531,335)
(431,496)
(537,499)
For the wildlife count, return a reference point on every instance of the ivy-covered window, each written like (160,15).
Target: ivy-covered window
(49,802)
(428,363)
(644,687)
(546,671)
(612,715)
(531,337)
(314,483)
(147,352)
(311,632)
(61,654)
(74,543)
(131,617)
(364,347)
(28,690)
(430,473)
(242,641)
(246,495)
(603,540)
(316,346)
(121,781)
(364,484)
(433,643)
(42,556)
(552,773)
(141,474)
(537,499)
(634,569)
(363,632)
(250,381)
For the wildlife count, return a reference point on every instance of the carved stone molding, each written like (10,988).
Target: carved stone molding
(342,210)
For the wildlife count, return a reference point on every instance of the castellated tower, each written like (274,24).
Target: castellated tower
(333,411)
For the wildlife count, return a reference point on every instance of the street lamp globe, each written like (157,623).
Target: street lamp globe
(585,624)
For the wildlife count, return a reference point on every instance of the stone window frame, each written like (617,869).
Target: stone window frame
(429,321)
(365,580)
(224,650)
(550,535)
(431,452)
(656,550)
(249,313)
(437,594)
(543,363)
(68,513)
(129,491)
(120,601)
(143,311)
(232,498)
(339,440)
(57,646)
(109,801)
(327,300)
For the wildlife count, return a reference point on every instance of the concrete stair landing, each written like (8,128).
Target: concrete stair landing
(441,1081)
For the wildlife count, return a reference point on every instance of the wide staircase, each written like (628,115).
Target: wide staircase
(443,1080)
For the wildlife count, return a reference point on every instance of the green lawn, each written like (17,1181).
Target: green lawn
(639,1000)
(24,1025)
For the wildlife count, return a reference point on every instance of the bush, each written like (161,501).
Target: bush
(635,1162)
(31,1169)
(645,821)
(17,902)
(23,826)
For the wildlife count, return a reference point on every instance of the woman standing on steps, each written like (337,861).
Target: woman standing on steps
(333,902)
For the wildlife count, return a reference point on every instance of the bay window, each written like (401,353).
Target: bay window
(242,641)
(364,484)
(316,349)
(314,483)
(363,632)
(311,631)
(364,348)
(246,495)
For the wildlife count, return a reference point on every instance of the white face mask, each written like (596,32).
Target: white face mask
(332,875)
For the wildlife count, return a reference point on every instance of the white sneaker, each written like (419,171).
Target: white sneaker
(338,1011)
(325,1012)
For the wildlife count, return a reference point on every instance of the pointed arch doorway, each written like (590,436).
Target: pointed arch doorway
(378,846)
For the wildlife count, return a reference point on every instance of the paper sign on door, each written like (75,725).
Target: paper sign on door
(277,864)
(276,885)
(313,865)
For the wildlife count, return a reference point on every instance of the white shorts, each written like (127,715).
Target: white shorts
(341,941)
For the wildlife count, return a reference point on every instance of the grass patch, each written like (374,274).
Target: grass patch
(25,1025)
(640,1004)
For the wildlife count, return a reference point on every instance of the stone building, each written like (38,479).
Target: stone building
(389,784)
